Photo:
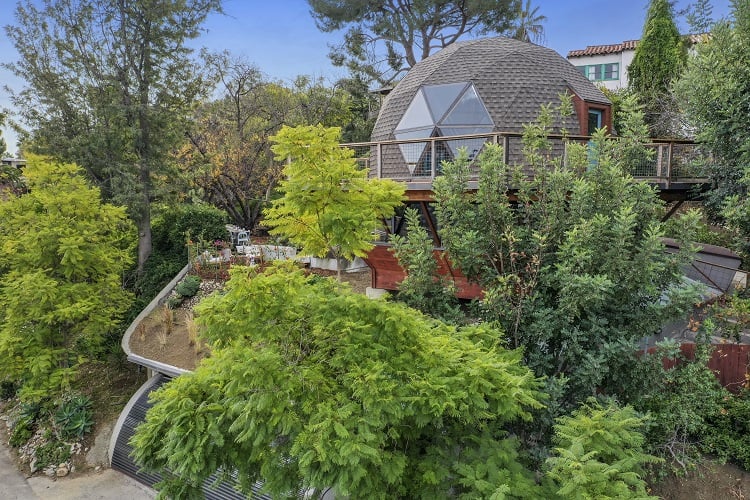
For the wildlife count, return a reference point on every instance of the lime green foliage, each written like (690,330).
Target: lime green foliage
(599,453)
(62,255)
(311,386)
(328,203)
(575,271)
(423,288)
(74,417)
(658,60)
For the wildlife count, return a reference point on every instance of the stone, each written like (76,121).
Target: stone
(98,468)
(32,465)
(62,470)
(50,471)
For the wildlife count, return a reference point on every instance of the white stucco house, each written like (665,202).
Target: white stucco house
(607,65)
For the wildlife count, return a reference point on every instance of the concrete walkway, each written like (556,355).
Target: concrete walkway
(105,485)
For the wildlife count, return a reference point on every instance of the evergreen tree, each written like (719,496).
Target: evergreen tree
(63,255)
(658,61)
(384,39)
(714,92)
(109,83)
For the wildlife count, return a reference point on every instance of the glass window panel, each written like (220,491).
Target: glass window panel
(417,114)
(595,120)
(473,146)
(612,71)
(469,110)
(441,97)
(447,131)
(582,69)
(595,72)
(413,150)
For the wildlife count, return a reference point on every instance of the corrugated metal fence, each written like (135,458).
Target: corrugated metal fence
(729,362)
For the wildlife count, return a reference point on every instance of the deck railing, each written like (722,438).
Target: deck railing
(418,161)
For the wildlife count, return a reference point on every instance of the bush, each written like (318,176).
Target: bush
(173,225)
(600,453)
(22,431)
(52,453)
(188,287)
(74,417)
(728,430)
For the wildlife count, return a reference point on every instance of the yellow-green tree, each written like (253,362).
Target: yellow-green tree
(62,254)
(328,204)
(311,386)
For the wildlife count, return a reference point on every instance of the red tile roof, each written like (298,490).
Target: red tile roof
(597,50)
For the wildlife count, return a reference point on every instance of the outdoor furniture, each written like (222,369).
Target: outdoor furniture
(243,238)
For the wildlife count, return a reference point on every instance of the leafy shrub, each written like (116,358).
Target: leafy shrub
(74,417)
(22,431)
(188,287)
(52,453)
(173,224)
(174,301)
(600,453)
(728,430)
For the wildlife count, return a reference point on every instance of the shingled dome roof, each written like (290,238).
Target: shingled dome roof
(476,86)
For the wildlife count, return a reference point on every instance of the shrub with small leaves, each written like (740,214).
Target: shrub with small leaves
(22,431)
(74,417)
(188,287)
(52,453)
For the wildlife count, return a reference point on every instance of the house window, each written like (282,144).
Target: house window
(595,120)
(601,72)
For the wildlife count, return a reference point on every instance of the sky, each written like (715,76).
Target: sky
(281,39)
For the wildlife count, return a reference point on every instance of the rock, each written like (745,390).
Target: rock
(50,471)
(62,470)
(72,469)
(98,468)
(32,465)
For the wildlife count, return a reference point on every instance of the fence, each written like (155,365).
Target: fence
(421,159)
(729,362)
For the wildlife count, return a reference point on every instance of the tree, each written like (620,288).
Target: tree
(528,27)
(109,83)
(311,386)
(658,61)
(328,205)
(3,145)
(699,16)
(227,154)
(63,255)
(571,261)
(713,91)
(600,453)
(423,288)
(407,32)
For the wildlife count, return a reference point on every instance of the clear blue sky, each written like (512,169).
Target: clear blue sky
(281,39)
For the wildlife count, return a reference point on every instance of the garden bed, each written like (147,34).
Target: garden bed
(177,348)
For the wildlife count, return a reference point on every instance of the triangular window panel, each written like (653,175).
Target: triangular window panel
(473,146)
(441,97)
(412,151)
(469,110)
(417,114)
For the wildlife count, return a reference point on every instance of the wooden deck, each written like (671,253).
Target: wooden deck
(677,168)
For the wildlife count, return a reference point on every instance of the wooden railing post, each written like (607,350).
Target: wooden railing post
(433,159)
(379,160)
